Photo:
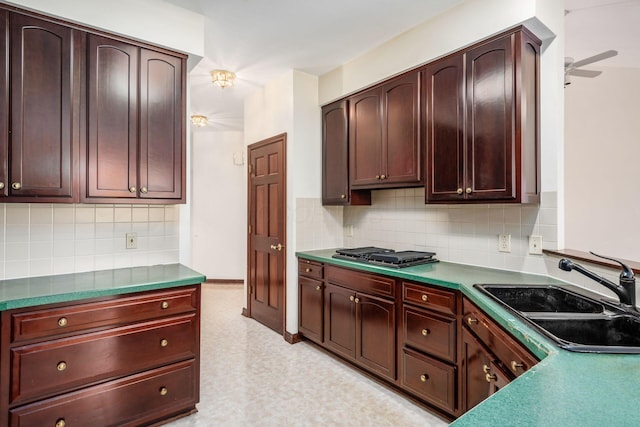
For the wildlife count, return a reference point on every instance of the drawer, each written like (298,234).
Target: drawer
(432,298)
(429,332)
(429,379)
(513,357)
(136,400)
(312,269)
(360,281)
(55,366)
(67,319)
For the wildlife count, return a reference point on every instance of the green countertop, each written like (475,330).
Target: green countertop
(565,388)
(33,291)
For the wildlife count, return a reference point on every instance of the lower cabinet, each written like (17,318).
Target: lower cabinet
(61,363)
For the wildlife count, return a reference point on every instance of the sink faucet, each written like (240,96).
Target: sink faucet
(626,290)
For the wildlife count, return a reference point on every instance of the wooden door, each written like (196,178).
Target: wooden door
(335,154)
(311,308)
(340,320)
(267,221)
(112,146)
(365,139)
(162,139)
(401,151)
(376,334)
(490,132)
(4,105)
(474,358)
(43,77)
(443,85)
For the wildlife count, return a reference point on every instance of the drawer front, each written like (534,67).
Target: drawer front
(429,379)
(359,281)
(432,298)
(135,400)
(56,366)
(124,309)
(429,332)
(312,269)
(513,357)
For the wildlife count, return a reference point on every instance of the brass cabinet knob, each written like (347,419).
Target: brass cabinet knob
(515,365)
(490,377)
(143,190)
(425,332)
(459,191)
(343,196)
(383,176)
(163,391)
(164,342)
(61,366)
(61,423)
(62,321)
(318,288)
(16,186)
(486,369)
(132,189)
(469,190)
(425,297)
(471,321)
(351,298)
(1,185)
(164,305)
(357,300)
(424,378)
(307,270)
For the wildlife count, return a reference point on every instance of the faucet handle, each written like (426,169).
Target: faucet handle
(627,273)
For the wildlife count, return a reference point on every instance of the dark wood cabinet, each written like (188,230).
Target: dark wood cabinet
(384,135)
(311,300)
(340,320)
(135,140)
(482,123)
(43,63)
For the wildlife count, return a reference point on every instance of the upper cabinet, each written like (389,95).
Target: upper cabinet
(482,124)
(39,111)
(384,135)
(135,141)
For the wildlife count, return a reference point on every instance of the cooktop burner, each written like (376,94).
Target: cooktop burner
(386,257)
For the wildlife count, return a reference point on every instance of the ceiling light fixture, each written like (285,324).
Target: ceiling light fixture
(199,120)
(222,78)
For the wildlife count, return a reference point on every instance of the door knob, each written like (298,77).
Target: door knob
(277,247)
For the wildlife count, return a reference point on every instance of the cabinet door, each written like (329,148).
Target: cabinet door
(335,154)
(112,118)
(376,335)
(4,101)
(340,320)
(365,139)
(401,153)
(474,358)
(162,101)
(43,77)
(490,131)
(310,308)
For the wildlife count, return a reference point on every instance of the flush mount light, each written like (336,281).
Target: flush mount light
(199,120)
(222,78)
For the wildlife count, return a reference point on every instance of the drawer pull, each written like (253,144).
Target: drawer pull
(163,391)
(62,322)
(471,321)
(318,288)
(307,270)
(515,365)
(61,423)
(486,369)
(425,298)
(61,366)
(164,305)
(425,332)
(490,377)
(164,343)
(424,378)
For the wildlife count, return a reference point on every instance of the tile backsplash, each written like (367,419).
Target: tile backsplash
(43,239)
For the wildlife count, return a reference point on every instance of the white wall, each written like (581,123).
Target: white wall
(602,174)
(218,204)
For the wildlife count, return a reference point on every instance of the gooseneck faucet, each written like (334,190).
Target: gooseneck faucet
(626,290)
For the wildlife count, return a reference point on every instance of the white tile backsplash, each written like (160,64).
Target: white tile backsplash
(43,239)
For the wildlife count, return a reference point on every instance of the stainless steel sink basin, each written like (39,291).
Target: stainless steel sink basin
(572,318)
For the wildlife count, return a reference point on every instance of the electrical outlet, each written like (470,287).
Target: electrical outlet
(132,240)
(535,245)
(349,230)
(504,242)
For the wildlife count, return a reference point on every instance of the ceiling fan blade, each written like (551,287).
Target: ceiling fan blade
(584,73)
(595,58)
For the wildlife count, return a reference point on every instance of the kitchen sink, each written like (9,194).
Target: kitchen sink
(573,318)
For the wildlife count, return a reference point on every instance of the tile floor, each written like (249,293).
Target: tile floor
(250,376)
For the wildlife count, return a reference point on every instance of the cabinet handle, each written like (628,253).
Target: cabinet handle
(469,190)
(164,342)
(163,391)
(164,305)
(490,377)
(425,297)
(471,321)
(383,176)
(351,298)
(1,185)
(143,190)
(424,378)
(318,287)
(515,365)
(425,332)
(62,321)
(307,270)
(486,369)
(16,186)
(459,191)
(61,423)
(377,176)
(343,196)
(132,189)
(357,300)
(61,366)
